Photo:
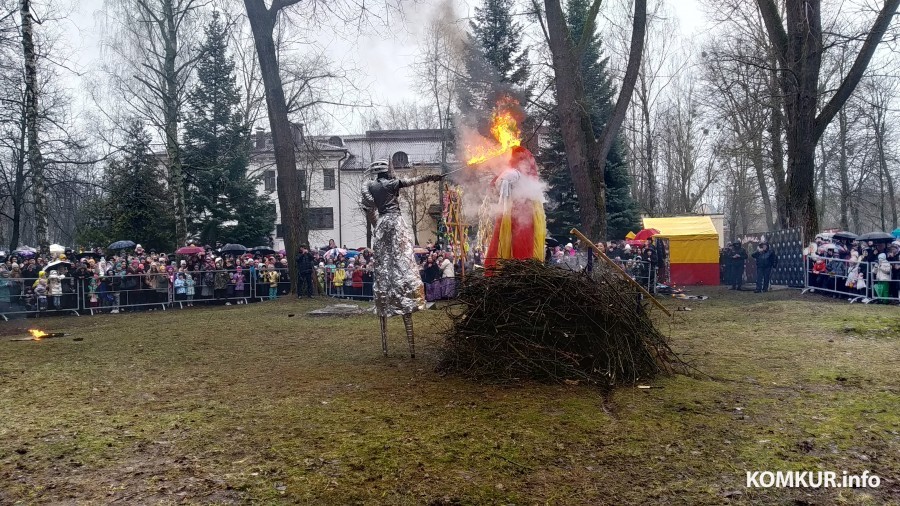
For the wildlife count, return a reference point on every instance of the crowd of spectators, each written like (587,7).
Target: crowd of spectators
(845,269)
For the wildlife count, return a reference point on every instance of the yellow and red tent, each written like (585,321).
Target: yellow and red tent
(693,248)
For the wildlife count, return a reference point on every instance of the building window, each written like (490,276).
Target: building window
(301,176)
(400,160)
(269,181)
(279,230)
(328,174)
(321,218)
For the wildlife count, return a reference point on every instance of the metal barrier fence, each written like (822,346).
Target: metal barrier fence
(117,293)
(21,298)
(854,281)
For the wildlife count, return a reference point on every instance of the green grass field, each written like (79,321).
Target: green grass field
(250,404)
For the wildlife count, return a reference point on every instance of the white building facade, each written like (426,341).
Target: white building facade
(332,173)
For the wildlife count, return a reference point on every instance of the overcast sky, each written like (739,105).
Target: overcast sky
(386,61)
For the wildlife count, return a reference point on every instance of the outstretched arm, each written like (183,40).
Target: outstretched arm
(419,180)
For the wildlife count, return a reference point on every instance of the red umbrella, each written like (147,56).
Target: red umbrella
(189,250)
(645,234)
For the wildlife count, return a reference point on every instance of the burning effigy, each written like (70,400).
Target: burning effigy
(511,216)
(523,319)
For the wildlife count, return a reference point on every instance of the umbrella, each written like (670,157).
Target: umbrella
(630,235)
(352,254)
(53,265)
(876,237)
(233,248)
(645,234)
(551,242)
(121,245)
(847,236)
(635,242)
(825,236)
(334,252)
(57,248)
(189,250)
(262,250)
(896,233)
(24,251)
(829,246)
(420,250)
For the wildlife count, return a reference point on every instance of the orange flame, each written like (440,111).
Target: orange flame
(505,130)
(37,334)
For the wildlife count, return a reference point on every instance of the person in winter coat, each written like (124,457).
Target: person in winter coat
(222,280)
(180,290)
(238,280)
(357,281)
(189,288)
(305,263)
(882,277)
(448,278)
(272,277)
(54,284)
(736,258)
(766,260)
(338,279)
(40,293)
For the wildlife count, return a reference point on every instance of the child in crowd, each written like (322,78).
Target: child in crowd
(189,288)
(238,280)
(273,277)
(40,293)
(339,275)
(180,290)
(92,292)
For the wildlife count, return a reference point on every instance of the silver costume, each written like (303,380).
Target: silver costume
(398,289)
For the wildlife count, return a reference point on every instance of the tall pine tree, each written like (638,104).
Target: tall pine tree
(137,205)
(496,62)
(562,208)
(223,204)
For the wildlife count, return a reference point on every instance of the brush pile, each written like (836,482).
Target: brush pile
(537,322)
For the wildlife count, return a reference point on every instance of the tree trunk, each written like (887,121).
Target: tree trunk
(799,53)
(18,197)
(757,158)
(878,125)
(35,159)
(262,23)
(170,115)
(842,168)
(778,175)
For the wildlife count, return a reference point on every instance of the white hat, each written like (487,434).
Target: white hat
(627,247)
(569,246)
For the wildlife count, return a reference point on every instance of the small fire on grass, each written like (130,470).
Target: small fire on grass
(38,335)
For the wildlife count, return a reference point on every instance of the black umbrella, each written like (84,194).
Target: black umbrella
(262,250)
(876,237)
(847,236)
(233,248)
(551,242)
(121,245)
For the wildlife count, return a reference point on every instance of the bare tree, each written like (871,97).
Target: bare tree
(586,154)
(153,47)
(798,45)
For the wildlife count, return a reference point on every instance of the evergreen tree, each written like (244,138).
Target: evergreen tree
(562,208)
(496,63)
(223,204)
(137,206)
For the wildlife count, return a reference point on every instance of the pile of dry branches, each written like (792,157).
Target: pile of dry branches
(532,321)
